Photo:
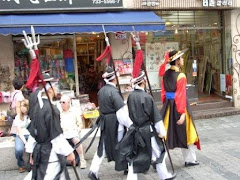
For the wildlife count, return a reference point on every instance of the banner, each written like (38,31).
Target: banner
(59,5)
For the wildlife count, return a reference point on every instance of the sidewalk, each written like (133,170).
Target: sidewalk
(219,157)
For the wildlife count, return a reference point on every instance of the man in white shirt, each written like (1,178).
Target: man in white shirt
(71,124)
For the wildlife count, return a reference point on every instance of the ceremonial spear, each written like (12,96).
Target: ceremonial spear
(107,53)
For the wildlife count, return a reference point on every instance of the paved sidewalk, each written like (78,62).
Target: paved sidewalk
(219,157)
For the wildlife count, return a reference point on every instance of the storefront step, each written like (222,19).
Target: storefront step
(218,112)
(211,105)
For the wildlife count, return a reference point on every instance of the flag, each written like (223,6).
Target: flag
(137,63)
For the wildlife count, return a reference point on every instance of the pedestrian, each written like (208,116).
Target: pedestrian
(181,131)
(143,142)
(71,124)
(21,122)
(46,141)
(16,99)
(113,118)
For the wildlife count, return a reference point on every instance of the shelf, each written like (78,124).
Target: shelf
(85,55)
(84,43)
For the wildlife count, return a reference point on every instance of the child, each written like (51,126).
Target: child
(21,122)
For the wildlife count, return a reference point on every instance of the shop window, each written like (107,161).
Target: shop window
(198,31)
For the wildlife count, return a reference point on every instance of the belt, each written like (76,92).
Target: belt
(170,95)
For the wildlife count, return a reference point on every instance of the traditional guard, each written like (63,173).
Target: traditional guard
(143,140)
(113,118)
(181,131)
(46,143)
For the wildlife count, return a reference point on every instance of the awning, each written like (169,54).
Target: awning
(81,22)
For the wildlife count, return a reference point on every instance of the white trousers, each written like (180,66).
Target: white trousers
(97,161)
(51,172)
(189,155)
(160,167)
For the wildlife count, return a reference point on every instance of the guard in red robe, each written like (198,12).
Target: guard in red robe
(181,131)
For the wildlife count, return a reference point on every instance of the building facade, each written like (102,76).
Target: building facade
(206,27)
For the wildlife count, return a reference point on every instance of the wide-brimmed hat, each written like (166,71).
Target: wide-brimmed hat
(139,79)
(170,57)
(174,55)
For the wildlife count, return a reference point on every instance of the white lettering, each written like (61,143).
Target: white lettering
(106,1)
(16,1)
(224,2)
(205,2)
(230,3)
(211,3)
(70,1)
(219,3)
(35,1)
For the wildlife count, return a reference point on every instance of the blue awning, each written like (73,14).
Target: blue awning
(81,22)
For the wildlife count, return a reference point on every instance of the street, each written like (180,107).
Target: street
(219,157)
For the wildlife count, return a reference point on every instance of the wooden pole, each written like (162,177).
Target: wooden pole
(75,65)
(108,44)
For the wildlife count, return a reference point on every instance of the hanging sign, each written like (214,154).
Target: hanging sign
(150,3)
(120,36)
(57,5)
(217,3)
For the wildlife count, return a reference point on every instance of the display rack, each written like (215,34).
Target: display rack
(125,85)
(125,69)
(86,52)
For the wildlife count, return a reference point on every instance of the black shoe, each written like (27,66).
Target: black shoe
(154,165)
(125,172)
(92,176)
(173,176)
(187,164)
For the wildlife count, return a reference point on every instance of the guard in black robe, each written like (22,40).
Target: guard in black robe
(113,118)
(142,142)
(46,142)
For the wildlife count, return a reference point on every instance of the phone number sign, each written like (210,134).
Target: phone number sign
(53,5)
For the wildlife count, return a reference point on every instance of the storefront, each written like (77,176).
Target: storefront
(70,43)
(201,32)
(204,28)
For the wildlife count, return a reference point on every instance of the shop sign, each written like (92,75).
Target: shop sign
(218,3)
(150,3)
(120,36)
(33,5)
